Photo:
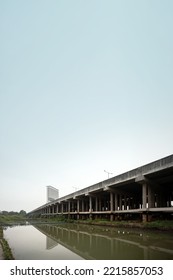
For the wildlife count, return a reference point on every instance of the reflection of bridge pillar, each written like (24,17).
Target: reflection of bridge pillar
(146,253)
(90,240)
(111,247)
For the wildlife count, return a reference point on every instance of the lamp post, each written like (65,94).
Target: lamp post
(108,173)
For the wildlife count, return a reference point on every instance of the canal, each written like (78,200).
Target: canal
(75,242)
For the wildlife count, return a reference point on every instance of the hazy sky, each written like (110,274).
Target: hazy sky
(85,86)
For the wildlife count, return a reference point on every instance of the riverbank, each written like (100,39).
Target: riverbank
(7,220)
(1,253)
(162,225)
(5,251)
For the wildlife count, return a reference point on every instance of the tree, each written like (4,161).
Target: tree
(22,212)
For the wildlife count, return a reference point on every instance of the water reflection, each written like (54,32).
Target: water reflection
(94,242)
(50,243)
(27,243)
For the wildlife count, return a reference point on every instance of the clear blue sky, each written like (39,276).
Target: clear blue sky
(85,86)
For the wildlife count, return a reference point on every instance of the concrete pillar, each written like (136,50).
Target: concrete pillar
(125,202)
(116,201)
(151,197)
(100,204)
(90,203)
(83,209)
(69,206)
(120,202)
(104,203)
(144,195)
(111,206)
(78,205)
(73,206)
(111,202)
(96,204)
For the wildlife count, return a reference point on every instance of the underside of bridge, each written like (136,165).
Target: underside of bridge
(143,193)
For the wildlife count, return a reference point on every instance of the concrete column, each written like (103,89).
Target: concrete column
(69,206)
(111,202)
(125,202)
(72,206)
(151,198)
(144,195)
(120,202)
(100,204)
(90,203)
(104,203)
(87,205)
(78,205)
(111,206)
(96,203)
(116,201)
(83,209)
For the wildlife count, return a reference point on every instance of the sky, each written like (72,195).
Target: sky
(85,86)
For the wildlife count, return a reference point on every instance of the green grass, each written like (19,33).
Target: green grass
(6,249)
(162,224)
(6,220)
(158,225)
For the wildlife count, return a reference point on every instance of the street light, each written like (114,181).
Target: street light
(108,173)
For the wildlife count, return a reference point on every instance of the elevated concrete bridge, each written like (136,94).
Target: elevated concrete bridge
(143,192)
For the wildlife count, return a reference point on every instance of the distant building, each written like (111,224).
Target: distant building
(52,193)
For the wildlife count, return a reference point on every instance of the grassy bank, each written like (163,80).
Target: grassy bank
(7,220)
(6,249)
(163,225)
(155,225)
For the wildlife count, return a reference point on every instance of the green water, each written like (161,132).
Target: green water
(71,241)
